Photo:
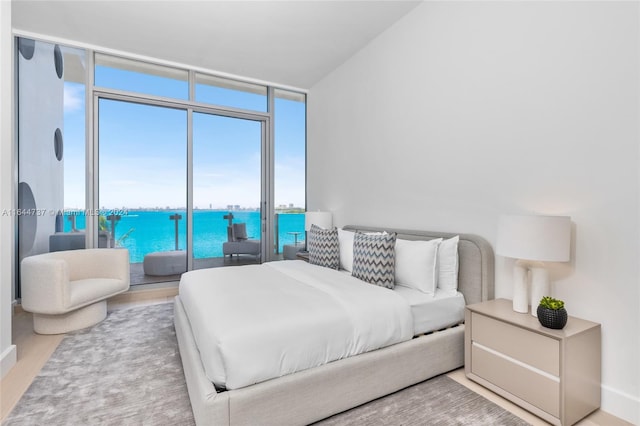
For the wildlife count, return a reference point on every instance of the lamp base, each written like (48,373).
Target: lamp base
(522,270)
(520,300)
(539,286)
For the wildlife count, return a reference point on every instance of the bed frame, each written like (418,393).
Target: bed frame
(314,394)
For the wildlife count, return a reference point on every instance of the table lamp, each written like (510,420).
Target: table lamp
(321,219)
(533,240)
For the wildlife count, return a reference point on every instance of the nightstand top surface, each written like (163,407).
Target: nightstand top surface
(304,255)
(502,309)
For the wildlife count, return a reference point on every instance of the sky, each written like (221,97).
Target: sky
(143,149)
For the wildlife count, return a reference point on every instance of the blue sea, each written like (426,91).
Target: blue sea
(147,231)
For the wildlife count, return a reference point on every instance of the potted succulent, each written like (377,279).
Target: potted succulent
(551,313)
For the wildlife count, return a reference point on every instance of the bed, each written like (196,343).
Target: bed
(312,394)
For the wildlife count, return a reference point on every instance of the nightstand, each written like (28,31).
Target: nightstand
(303,255)
(289,251)
(555,374)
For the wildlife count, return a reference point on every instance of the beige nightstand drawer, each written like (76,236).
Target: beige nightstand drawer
(539,389)
(531,348)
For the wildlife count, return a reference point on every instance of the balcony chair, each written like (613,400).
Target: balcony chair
(239,243)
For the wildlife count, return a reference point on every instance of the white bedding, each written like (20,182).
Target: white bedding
(256,322)
(433,312)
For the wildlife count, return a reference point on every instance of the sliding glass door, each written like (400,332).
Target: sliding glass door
(145,204)
(227,190)
(143,186)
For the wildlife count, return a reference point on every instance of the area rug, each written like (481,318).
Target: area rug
(440,401)
(127,371)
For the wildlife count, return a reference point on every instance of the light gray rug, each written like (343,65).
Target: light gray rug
(127,371)
(124,371)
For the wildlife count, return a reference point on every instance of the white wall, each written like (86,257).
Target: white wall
(463,111)
(7,350)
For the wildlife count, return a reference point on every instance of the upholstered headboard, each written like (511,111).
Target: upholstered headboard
(476,261)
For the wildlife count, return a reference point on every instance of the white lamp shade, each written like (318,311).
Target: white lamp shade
(321,219)
(538,238)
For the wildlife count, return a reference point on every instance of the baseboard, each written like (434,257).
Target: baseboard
(147,292)
(8,360)
(17,308)
(621,405)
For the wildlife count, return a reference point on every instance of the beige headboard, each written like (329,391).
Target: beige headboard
(476,261)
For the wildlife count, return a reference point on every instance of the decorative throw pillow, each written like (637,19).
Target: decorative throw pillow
(374,258)
(323,247)
(416,264)
(346,247)
(448,265)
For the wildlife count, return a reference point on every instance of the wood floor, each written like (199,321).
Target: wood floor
(34,350)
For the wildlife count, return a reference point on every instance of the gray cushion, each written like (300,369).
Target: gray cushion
(241,247)
(240,231)
(323,246)
(374,258)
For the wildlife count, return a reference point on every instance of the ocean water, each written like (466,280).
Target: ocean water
(147,231)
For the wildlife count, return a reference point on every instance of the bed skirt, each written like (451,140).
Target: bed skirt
(317,393)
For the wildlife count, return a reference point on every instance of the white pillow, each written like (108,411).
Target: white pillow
(345,239)
(448,266)
(416,264)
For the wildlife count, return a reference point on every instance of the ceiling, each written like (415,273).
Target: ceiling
(286,43)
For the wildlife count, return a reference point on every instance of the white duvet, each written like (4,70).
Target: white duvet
(256,322)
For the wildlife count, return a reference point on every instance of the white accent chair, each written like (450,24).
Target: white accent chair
(67,290)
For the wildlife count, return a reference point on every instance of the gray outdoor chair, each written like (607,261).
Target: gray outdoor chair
(238,242)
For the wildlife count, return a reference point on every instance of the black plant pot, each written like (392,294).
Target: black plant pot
(552,318)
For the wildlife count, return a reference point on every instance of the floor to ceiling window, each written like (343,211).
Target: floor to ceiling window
(182,168)
(289,169)
(51,149)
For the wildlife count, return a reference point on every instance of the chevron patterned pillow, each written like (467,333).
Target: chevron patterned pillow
(323,246)
(374,258)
